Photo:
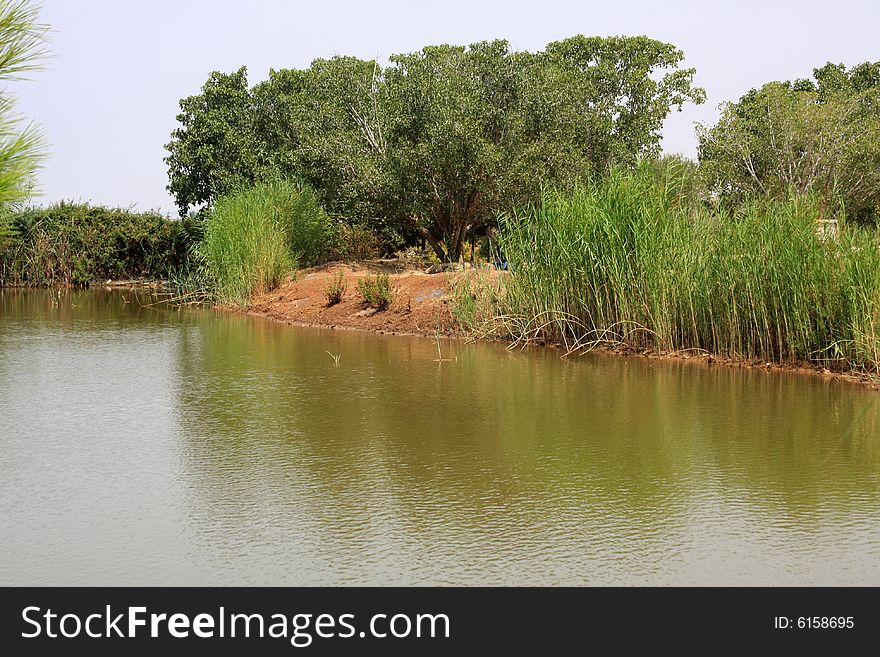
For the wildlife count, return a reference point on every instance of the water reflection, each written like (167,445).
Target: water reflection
(505,467)
(266,463)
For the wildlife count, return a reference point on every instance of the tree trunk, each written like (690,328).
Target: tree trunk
(437,246)
(431,236)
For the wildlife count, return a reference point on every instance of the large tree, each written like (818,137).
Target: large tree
(610,96)
(475,130)
(325,125)
(214,150)
(450,132)
(441,140)
(820,136)
(320,124)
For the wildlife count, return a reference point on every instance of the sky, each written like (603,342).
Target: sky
(108,97)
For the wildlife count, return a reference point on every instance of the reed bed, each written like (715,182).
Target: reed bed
(255,237)
(631,261)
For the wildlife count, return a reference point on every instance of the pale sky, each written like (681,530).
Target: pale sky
(108,98)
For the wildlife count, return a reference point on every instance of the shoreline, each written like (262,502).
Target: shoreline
(109,284)
(300,301)
(418,310)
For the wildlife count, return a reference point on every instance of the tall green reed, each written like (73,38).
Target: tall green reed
(256,236)
(632,261)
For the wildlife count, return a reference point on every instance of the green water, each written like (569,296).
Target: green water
(145,445)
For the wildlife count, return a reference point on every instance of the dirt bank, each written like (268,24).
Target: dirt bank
(806,369)
(421,302)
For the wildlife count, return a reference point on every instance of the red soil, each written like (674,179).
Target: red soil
(421,302)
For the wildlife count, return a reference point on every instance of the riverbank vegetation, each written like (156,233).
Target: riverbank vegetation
(254,237)
(630,261)
(819,136)
(376,291)
(434,145)
(766,247)
(78,244)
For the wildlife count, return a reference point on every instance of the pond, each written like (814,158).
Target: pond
(146,445)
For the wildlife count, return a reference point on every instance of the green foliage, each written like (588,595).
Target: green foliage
(821,137)
(604,100)
(257,235)
(323,125)
(376,291)
(22,40)
(318,125)
(336,289)
(355,242)
(76,244)
(448,107)
(214,150)
(476,299)
(434,145)
(628,261)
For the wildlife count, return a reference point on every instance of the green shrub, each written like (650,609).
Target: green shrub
(76,243)
(376,291)
(475,299)
(354,242)
(335,289)
(256,236)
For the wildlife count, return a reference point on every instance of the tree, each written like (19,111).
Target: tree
(613,94)
(325,125)
(449,114)
(441,140)
(803,136)
(22,50)
(476,130)
(320,124)
(214,150)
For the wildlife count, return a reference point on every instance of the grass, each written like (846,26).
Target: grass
(631,261)
(256,236)
(476,295)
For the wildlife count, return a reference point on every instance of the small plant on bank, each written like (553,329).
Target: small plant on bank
(335,289)
(376,291)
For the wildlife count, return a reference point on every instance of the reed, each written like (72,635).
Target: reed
(632,261)
(256,236)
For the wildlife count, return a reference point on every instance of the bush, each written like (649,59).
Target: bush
(257,235)
(376,291)
(476,295)
(76,243)
(355,242)
(335,289)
